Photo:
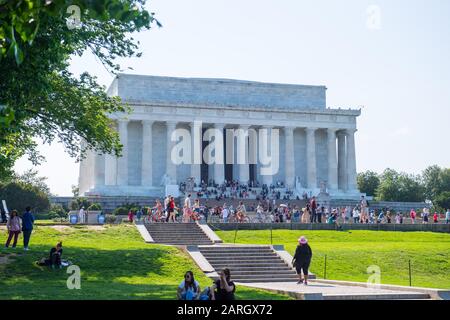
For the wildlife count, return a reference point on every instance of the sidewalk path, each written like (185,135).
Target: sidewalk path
(324,291)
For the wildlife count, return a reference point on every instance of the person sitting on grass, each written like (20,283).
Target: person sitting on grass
(189,288)
(54,259)
(223,288)
(55,256)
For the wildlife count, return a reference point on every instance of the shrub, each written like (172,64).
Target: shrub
(111,219)
(95,207)
(79,202)
(120,211)
(58,211)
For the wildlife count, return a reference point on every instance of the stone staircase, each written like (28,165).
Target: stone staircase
(249,263)
(178,234)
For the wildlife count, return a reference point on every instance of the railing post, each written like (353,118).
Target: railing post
(409,264)
(271,236)
(235,233)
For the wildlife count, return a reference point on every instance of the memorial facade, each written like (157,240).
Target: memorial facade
(315,144)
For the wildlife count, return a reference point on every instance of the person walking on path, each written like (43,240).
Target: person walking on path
(364,209)
(225,213)
(425,213)
(13,226)
(355,215)
(313,205)
(27,227)
(305,215)
(435,217)
(130,215)
(172,208)
(412,215)
(81,215)
(302,259)
(447,216)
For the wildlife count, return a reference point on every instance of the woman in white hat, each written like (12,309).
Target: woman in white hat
(302,259)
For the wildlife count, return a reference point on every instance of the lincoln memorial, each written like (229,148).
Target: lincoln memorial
(315,149)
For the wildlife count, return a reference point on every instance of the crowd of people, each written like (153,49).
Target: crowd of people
(236,190)
(268,212)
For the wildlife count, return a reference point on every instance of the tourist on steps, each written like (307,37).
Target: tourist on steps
(189,288)
(302,259)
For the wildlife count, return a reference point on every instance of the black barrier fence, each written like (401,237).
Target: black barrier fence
(431,227)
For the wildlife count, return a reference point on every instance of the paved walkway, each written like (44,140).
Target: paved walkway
(318,291)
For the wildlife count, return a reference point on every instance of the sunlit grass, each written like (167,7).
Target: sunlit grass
(350,253)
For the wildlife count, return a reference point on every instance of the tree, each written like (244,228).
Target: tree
(436,180)
(19,195)
(39,98)
(399,186)
(368,182)
(442,201)
(31,177)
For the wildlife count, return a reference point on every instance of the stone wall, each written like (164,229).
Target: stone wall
(219,92)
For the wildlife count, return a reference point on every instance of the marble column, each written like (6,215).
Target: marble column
(171,168)
(289,157)
(219,168)
(311,172)
(342,161)
(196,146)
(111,166)
(110,170)
(122,162)
(268,179)
(99,170)
(82,183)
(147,153)
(242,155)
(332,160)
(351,160)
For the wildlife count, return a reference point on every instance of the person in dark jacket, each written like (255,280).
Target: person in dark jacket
(27,227)
(302,259)
(55,256)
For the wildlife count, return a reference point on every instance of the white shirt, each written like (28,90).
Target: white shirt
(81,212)
(225,212)
(187,202)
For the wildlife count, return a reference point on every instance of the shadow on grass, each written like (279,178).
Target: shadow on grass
(147,273)
(105,274)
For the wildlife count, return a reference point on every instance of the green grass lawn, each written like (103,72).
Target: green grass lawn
(350,253)
(115,263)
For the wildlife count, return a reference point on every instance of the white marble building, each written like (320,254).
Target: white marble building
(316,145)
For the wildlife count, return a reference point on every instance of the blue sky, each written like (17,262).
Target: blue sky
(398,73)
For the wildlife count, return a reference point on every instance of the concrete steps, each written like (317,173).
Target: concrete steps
(249,263)
(178,234)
